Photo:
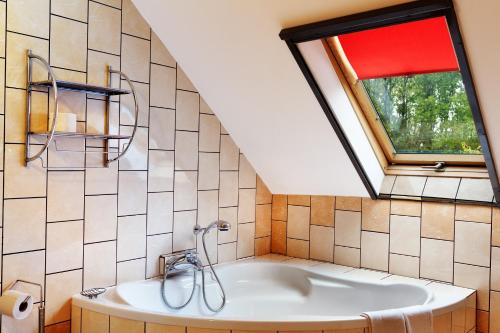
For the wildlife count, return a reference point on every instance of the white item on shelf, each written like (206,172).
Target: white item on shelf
(16,304)
(65,122)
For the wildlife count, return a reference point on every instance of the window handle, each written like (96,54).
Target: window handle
(438,167)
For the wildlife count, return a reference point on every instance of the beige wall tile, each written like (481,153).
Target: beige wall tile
(94,322)
(297,248)
(405,235)
(133,192)
(474,277)
(131,270)
(442,323)
(3,24)
(409,186)
(161,171)
(187,113)
(208,171)
(100,218)
(186,147)
(136,157)
(208,207)
(28,266)
(161,129)
(99,180)
(16,72)
(375,215)
(160,213)
(127,111)
(2,74)
(30,17)
(278,237)
(133,22)
(185,193)
(68,44)
(131,237)
(21,181)
(375,250)
(226,252)
(495,268)
(246,243)
(112,3)
(298,222)
(24,225)
(322,242)
(262,220)
(163,93)
(263,195)
(348,203)
(228,189)
(472,243)
(104,18)
(404,265)
(387,184)
(76,319)
(347,256)
(209,133)
(229,153)
(495,311)
(247,175)
(246,205)
(437,260)
(438,220)
(159,53)
(183,81)
(74,9)
(228,214)
(65,198)
(473,213)
(347,228)
(279,207)
(122,325)
(183,237)
(15,114)
(441,187)
(157,245)
(299,200)
(495,237)
(58,298)
(135,59)
(63,327)
(64,246)
(322,210)
(262,246)
(99,266)
(212,247)
(475,189)
(406,207)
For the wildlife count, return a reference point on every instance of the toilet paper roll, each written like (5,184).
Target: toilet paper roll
(66,122)
(16,304)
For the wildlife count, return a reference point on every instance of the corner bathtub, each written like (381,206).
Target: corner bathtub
(264,294)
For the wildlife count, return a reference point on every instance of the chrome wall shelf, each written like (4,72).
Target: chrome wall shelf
(52,135)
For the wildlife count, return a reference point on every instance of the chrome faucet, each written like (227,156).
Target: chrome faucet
(181,262)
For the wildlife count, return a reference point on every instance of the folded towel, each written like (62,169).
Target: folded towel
(418,319)
(386,321)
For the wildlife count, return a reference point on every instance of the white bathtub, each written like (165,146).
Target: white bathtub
(290,295)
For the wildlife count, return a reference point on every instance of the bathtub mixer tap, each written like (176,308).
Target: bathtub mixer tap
(181,262)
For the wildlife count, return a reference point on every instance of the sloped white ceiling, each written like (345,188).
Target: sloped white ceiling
(231,51)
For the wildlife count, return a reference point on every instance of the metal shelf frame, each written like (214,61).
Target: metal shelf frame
(56,86)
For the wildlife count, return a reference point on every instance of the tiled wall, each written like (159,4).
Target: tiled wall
(76,226)
(458,244)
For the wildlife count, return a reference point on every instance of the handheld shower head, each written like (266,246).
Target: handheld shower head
(219,224)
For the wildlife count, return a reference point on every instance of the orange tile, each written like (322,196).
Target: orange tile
(262,246)
(299,200)
(495,237)
(406,207)
(263,195)
(482,321)
(278,237)
(279,207)
(442,323)
(348,203)
(262,220)
(297,248)
(473,213)
(322,210)
(64,327)
(438,220)
(375,215)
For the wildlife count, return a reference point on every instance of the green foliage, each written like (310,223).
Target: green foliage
(426,113)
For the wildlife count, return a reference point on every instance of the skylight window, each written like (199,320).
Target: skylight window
(407,81)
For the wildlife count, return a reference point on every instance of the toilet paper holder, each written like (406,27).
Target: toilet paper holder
(41,307)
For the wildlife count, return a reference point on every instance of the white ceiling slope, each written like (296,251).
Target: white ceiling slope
(231,51)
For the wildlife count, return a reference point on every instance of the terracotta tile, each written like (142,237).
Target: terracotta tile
(442,323)
(438,220)
(278,237)
(119,325)
(299,200)
(348,203)
(473,213)
(322,242)
(495,311)
(94,321)
(280,208)
(322,210)
(264,196)
(297,248)
(482,321)
(375,215)
(263,220)
(64,327)
(406,207)
(159,328)
(76,319)
(262,246)
(495,237)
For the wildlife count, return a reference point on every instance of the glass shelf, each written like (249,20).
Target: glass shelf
(83,135)
(82,87)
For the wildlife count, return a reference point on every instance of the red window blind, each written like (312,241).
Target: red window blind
(417,47)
